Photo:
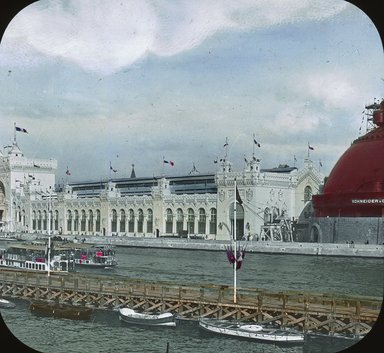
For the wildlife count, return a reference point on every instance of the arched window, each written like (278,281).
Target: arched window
(44,220)
(98,220)
(90,221)
(69,220)
(131,223)
(202,221)
(149,220)
(76,221)
(56,220)
(169,221)
(38,220)
(114,221)
(213,221)
(83,220)
(307,193)
(191,221)
(122,220)
(34,220)
(140,221)
(179,220)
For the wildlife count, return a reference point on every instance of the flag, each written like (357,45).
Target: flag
(321,164)
(36,166)
(225,144)
(238,198)
(230,255)
(310,147)
(21,129)
(68,172)
(238,259)
(172,163)
(256,143)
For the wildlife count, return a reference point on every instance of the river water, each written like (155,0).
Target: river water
(105,333)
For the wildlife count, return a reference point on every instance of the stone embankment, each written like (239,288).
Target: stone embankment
(358,250)
(268,247)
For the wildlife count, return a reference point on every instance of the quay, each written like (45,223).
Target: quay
(267,247)
(309,312)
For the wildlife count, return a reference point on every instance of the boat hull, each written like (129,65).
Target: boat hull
(62,311)
(245,331)
(129,316)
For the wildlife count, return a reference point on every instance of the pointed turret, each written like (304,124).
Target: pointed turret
(133,174)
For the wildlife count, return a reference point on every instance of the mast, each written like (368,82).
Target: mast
(234,247)
(49,233)
(49,255)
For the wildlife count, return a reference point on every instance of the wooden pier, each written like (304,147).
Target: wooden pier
(309,312)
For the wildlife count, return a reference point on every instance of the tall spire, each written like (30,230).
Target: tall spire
(133,174)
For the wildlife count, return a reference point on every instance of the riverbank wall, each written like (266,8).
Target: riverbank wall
(357,250)
(267,247)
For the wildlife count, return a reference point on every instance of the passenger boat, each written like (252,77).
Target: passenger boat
(4,303)
(131,316)
(37,257)
(60,310)
(250,331)
(91,256)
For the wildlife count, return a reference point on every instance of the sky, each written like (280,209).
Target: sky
(100,83)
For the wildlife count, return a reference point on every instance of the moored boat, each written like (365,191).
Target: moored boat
(37,257)
(250,331)
(91,256)
(146,318)
(60,310)
(4,303)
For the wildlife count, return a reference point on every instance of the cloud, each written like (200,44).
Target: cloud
(334,89)
(107,35)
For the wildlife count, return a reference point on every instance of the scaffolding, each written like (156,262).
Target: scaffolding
(279,230)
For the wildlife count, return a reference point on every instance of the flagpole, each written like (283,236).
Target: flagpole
(226,147)
(49,232)
(234,247)
(49,254)
(253,145)
(14,133)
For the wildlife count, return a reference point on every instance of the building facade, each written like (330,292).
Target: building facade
(271,201)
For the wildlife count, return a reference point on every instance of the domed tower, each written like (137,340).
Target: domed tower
(355,186)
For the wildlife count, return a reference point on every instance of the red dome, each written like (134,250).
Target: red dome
(355,186)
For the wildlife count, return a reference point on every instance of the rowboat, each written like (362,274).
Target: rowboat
(4,303)
(131,316)
(250,331)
